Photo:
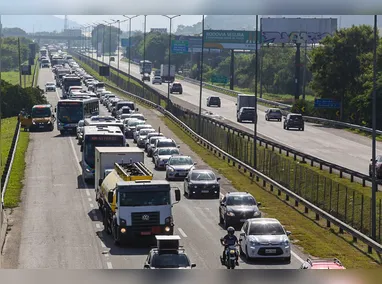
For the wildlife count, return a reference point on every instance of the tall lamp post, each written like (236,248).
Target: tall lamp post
(201,82)
(112,22)
(169,59)
(97,39)
(130,18)
(144,51)
(256,80)
(374,125)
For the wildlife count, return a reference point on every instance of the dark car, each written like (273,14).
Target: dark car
(236,207)
(213,101)
(294,120)
(273,114)
(246,114)
(176,88)
(168,255)
(378,167)
(201,183)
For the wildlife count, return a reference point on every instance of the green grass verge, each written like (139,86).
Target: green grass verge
(15,183)
(310,235)
(363,133)
(8,126)
(13,78)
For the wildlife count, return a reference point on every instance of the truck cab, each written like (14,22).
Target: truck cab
(134,206)
(42,118)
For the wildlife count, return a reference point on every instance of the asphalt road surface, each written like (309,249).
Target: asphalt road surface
(334,145)
(61,225)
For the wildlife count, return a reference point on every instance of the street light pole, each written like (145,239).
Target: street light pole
(118,43)
(201,82)
(255,114)
(144,52)
(103,43)
(130,18)
(374,125)
(169,60)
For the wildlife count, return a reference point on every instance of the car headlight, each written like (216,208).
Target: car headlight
(33,122)
(48,122)
(256,214)
(170,169)
(253,244)
(285,243)
(230,214)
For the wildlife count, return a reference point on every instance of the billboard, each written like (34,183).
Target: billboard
(158,30)
(226,39)
(194,43)
(296,30)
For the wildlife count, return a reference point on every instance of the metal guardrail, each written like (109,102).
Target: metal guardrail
(276,146)
(372,245)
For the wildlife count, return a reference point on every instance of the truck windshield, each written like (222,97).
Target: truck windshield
(93,141)
(145,198)
(70,112)
(41,112)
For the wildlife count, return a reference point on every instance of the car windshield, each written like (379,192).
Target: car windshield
(139,117)
(166,144)
(135,122)
(202,176)
(166,152)
(240,200)
(39,112)
(180,161)
(153,140)
(169,261)
(295,117)
(248,109)
(126,110)
(214,99)
(274,111)
(144,132)
(269,228)
(176,85)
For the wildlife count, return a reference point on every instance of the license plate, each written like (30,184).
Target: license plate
(145,233)
(270,251)
(41,126)
(205,191)
(182,174)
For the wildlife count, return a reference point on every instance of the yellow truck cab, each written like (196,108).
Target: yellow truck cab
(134,206)
(42,118)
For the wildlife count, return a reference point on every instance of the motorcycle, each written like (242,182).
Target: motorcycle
(230,259)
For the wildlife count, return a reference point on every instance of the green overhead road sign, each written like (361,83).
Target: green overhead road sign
(179,46)
(219,79)
(225,39)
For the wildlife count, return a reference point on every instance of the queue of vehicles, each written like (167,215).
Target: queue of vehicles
(135,206)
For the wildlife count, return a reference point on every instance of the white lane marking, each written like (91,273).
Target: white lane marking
(103,245)
(89,199)
(91,205)
(87,192)
(98,226)
(182,232)
(109,266)
(297,257)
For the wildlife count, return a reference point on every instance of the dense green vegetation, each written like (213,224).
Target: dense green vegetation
(10,55)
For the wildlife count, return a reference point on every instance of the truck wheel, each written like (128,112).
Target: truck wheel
(62,132)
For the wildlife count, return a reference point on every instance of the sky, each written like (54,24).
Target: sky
(137,23)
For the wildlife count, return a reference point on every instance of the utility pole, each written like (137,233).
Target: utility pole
(374,136)
(169,59)
(144,52)
(201,82)
(256,79)
(130,18)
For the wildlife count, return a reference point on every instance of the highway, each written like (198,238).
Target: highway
(333,145)
(62,227)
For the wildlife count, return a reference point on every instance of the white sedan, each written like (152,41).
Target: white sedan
(50,86)
(265,238)
(157,80)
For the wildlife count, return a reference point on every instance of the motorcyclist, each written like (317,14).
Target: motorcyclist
(229,240)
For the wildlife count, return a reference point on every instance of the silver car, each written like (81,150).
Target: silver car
(149,135)
(157,80)
(130,125)
(273,114)
(178,167)
(141,137)
(265,238)
(138,128)
(161,156)
(151,145)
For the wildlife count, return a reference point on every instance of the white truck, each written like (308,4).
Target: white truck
(164,73)
(106,157)
(145,66)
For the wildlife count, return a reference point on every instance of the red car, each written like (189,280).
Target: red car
(322,264)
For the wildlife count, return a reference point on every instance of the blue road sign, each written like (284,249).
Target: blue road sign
(326,103)
(124,42)
(179,46)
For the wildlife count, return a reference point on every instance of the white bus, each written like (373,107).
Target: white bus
(98,136)
(104,121)
(71,111)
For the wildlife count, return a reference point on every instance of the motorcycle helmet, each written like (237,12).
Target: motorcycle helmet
(231,231)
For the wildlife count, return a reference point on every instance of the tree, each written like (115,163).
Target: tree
(13,32)
(10,55)
(101,36)
(338,66)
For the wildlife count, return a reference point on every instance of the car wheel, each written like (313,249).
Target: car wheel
(287,259)
(225,223)
(302,129)
(247,254)
(221,220)
(266,118)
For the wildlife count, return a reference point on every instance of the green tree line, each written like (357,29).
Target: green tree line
(10,55)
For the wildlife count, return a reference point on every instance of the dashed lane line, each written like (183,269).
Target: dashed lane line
(182,232)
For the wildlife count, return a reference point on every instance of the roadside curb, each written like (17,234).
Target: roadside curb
(3,233)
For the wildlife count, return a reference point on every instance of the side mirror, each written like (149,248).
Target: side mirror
(100,181)
(195,163)
(177,146)
(55,109)
(218,178)
(82,148)
(147,266)
(137,109)
(288,233)
(222,204)
(110,197)
(177,195)
(258,203)
(193,265)
(242,234)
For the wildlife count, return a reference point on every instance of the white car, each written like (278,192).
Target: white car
(265,238)
(50,86)
(157,80)
(138,128)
